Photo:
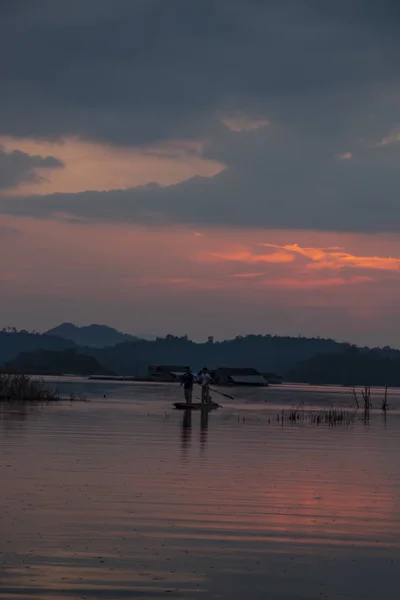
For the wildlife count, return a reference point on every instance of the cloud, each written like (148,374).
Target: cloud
(255,281)
(393,137)
(94,166)
(247,257)
(142,71)
(308,260)
(241,122)
(111,267)
(274,178)
(17,167)
(284,93)
(333,258)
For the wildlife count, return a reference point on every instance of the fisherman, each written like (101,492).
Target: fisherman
(187,382)
(204,380)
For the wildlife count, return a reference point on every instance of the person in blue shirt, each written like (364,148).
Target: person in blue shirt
(188,381)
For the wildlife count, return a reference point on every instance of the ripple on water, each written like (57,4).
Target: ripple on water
(123,497)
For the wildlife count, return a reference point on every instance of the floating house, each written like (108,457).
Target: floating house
(238,376)
(165,373)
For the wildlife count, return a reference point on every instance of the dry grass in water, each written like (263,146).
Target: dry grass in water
(328,417)
(22,388)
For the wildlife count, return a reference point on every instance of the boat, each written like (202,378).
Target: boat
(196,406)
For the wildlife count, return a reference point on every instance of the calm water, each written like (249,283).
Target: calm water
(123,497)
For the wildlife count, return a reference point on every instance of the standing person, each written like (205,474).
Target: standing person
(187,382)
(205,379)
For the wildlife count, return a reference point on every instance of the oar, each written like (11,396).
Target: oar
(222,394)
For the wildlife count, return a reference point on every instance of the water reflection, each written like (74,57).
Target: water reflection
(98,503)
(186,430)
(203,429)
(13,415)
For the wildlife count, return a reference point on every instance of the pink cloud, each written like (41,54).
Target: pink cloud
(95,166)
(335,258)
(248,257)
(163,279)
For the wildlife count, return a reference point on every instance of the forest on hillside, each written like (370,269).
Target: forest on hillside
(313,360)
(56,362)
(265,353)
(275,354)
(12,342)
(350,368)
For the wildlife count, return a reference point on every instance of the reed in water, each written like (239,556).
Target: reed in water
(328,417)
(17,387)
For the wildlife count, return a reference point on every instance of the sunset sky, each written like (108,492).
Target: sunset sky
(209,167)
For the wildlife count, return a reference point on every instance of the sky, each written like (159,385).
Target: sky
(212,167)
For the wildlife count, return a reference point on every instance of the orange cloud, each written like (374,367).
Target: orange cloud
(248,257)
(332,258)
(110,268)
(295,265)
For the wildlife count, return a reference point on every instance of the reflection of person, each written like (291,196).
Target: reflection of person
(203,429)
(204,380)
(186,429)
(187,382)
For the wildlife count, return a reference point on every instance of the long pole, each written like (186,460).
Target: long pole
(222,394)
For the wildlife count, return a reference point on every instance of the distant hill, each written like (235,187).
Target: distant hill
(354,367)
(264,353)
(14,342)
(50,362)
(94,336)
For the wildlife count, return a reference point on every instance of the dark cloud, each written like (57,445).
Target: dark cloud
(273,179)
(17,167)
(325,74)
(137,71)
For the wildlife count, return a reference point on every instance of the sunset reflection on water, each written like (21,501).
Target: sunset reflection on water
(128,498)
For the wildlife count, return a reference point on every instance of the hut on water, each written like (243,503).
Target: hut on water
(165,373)
(238,376)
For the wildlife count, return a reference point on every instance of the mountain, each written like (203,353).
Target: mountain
(14,342)
(50,362)
(265,353)
(353,367)
(94,336)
